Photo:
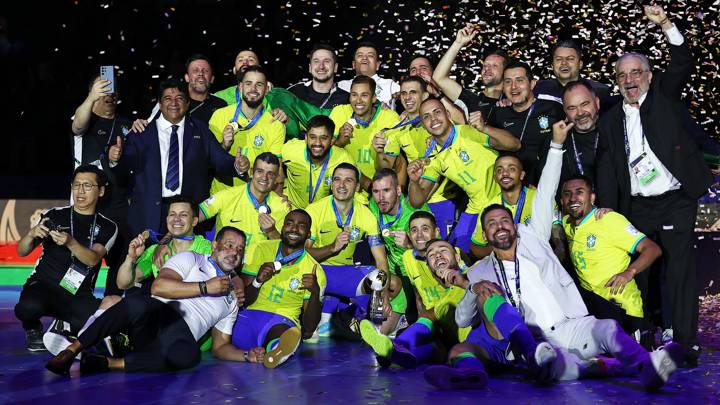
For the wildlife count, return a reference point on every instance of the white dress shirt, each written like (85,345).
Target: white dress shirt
(164,128)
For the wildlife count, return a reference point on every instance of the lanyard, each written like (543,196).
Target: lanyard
(502,276)
(313,191)
(200,105)
(365,124)
(72,231)
(578,162)
(520,205)
(385,225)
(447,143)
(627,142)
(328,96)
(218,271)
(252,122)
(283,260)
(417,256)
(107,142)
(338,218)
(530,111)
(403,123)
(255,202)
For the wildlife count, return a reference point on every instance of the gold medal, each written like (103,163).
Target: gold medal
(386,232)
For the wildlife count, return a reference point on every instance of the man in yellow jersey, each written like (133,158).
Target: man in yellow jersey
(356,124)
(464,156)
(247,126)
(600,251)
(309,164)
(340,223)
(253,207)
(518,198)
(282,282)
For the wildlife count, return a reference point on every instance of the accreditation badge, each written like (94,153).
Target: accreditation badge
(73,278)
(644,169)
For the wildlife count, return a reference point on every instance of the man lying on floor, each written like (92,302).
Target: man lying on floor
(191,294)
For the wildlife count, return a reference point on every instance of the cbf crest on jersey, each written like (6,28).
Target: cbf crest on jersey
(464,156)
(543,122)
(591,239)
(354,233)
(258,141)
(294,283)
(328,180)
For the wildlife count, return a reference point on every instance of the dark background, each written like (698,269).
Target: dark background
(49,51)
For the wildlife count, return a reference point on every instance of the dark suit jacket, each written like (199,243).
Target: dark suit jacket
(140,166)
(662,118)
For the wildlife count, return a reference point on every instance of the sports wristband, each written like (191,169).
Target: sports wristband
(554,145)
(256,284)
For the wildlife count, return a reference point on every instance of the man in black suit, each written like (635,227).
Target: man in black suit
(651,171)
(175,154)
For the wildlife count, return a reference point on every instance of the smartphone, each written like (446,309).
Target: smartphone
(108,73)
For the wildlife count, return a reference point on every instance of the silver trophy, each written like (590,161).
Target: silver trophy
(377,281)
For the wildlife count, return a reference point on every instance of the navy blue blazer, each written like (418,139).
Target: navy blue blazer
(139,166)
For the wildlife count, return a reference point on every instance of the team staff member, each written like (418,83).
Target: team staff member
(253,207)
(74,241)
(309,164)
(600,249)
(247,126)
(366,62)
(282,282)
(193,294)
(321,91)
(463,156)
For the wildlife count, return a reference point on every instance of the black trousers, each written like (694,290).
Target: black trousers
(160,338)
(669,220)
(39,298)
(601,308)
(116,255)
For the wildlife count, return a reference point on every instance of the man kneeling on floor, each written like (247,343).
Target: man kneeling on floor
(282,283)
(191,294)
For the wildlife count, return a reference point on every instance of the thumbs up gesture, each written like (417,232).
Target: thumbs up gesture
(310,282)
(115,151)
(242,163)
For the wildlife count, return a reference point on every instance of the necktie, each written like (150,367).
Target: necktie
(172,176)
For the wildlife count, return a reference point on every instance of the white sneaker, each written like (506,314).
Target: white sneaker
(544,354)
(662,363)
(667,336)
(57,342)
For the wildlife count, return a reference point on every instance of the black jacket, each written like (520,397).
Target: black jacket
(662,120)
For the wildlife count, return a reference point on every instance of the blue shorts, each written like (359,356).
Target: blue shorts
(496,349)
(344,281)
(463,231)
(444,212)
(252,326)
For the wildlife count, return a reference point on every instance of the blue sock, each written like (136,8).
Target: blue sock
(466,360)
(512,327)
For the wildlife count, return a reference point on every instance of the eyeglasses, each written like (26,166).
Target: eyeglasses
(634,74)
(85,186)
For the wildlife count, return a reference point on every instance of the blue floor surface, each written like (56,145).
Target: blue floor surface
(328,372)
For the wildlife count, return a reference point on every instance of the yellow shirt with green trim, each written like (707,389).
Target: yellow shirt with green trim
(325,229)
(434,295)
(360,147)
(600,249)
(233,207)
(283,293)
(469,164)
(265,136)
(302,174)
(406,138)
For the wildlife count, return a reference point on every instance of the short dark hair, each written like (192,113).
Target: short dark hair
(422,215)
(493,207)
(416,79)
(321,121)
(301,212)
(100,176)
(267,157)
(430,243)
(366,44)
(324,47)
(173,83)
(385,172)
(194,57)
(254,68)
(362,79)
(430,59)
(512,155)
(499,52)
(348,166)
(588,181)
(566,43)
(227,229)
(515,64)
(182,199)
(578,83)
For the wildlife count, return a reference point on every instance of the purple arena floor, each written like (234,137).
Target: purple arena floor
(328,372)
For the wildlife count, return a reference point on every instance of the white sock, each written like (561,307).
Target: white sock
(324,318)
(90,320)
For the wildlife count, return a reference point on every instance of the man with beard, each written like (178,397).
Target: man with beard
(243,60)
(600,251)
(309,164)
(247,126)
(282,282)
(491,76)
(650,170)
(533,281)
(252,207)
(528,118)
(464,156)
(321,91)
(192,294)
(566,65)
(366,62)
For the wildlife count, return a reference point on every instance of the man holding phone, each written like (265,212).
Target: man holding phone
(74,241)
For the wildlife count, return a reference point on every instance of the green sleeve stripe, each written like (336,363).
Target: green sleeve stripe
(477,242)
(393,154)
(634,246)
(202,208)
(428,178)
(248,273)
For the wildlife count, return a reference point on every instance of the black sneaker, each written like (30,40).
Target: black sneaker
(34,339)
(692,354)
(92,363)
(118,345)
